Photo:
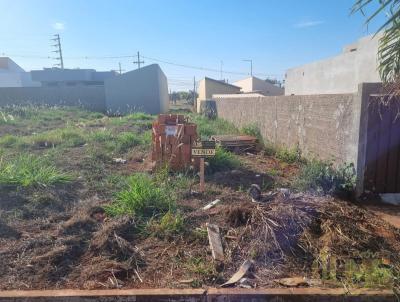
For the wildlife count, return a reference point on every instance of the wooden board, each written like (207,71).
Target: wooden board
(214,238)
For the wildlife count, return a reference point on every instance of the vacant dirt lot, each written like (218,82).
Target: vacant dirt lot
(73,216)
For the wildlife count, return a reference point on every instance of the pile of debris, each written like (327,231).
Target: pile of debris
(311,237)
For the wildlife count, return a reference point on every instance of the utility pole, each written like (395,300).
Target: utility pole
(251,65)
(222,63)
(120,68)
(58,50)
(138,62)
(194,93)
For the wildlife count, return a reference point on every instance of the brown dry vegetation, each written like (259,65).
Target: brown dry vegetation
(59,236)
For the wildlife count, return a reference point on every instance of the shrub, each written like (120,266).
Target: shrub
(223,160)
(321,176)
(143,197)
(28,170)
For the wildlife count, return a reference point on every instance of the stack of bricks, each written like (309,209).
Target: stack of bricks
(173,137)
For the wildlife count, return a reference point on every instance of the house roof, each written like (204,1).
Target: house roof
(220,82)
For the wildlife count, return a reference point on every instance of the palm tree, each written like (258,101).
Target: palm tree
(389,44)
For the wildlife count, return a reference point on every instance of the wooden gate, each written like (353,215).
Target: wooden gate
(382,173)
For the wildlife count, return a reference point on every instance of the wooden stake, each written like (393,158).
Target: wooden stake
(202,185)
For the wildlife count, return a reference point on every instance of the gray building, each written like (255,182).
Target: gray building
(144,89)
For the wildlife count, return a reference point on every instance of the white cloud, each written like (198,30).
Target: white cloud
(308,24)
(58,26)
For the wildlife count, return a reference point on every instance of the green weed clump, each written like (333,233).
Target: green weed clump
(253,130)
(143,197)
(9,141)
(223,160)
(28,170)
(207,127)
(101,136)
(68,137)
(321,176)
(168,226)
(140,116)
(288,155)
(126,140)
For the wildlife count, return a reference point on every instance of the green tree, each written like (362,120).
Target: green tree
(389,44)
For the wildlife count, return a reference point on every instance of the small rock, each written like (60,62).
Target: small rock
(186,281)
(119,160)
(255,192)
(245,283)
(296,195)
(236,172)
(285,192)
(211,204)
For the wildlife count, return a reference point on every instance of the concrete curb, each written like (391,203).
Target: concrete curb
(200,295)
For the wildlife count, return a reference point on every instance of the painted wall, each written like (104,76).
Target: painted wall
(144,89)
(341,74)
(253,84)
(92,98)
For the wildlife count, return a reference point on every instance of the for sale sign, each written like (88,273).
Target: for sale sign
(203,149)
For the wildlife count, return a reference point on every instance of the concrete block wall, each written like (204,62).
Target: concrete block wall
(329,126)
(320,125)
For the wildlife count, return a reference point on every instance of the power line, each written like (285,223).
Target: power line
(204,68)
(148,58)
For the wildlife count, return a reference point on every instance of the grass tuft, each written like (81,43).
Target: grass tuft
(223,160)
(207,127)
(168,226)
(143,197)
(8,141)
(28,170)
(321,176)
(290,156)
(68,137)
(126,140)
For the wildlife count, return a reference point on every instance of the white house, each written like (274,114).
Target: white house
(208,87)
(256,85)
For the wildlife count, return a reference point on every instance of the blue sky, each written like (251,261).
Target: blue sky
(275,34)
